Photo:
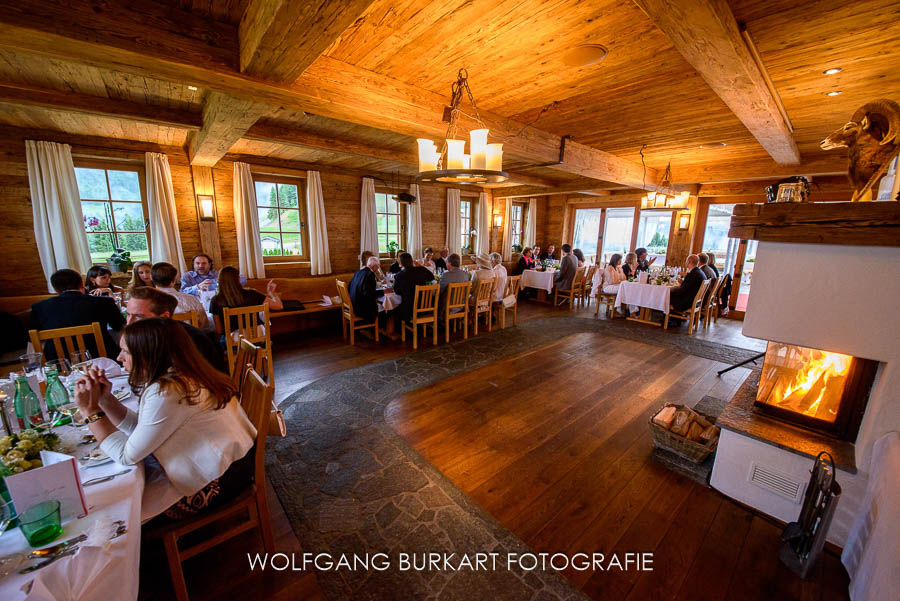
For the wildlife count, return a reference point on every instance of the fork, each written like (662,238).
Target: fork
(54,549)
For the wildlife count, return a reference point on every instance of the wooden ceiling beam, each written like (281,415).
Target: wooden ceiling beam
(23,95)
(827,184)
(706,34)
(824,164)
(584,186)
(226,119)
(279,39)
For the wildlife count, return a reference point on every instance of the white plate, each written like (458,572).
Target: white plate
(95,458)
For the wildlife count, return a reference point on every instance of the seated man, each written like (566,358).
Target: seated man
(163,275)
(681,297)
(203,277)
(72,307)
(146,302)
(548,254)
(364,292)
(405,284)
(453,275)
(440,261)
(563,278)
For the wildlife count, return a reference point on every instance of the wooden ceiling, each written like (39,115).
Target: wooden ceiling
(374,84)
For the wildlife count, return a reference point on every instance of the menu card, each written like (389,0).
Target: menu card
(57,480)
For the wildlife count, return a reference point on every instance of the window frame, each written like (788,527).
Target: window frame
(113,165)
(402,221)
(517,235)
(465,233)
(300,183)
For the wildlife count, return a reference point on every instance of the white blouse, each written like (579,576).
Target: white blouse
(193,443)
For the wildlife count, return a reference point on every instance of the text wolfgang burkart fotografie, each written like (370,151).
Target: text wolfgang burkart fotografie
(452,562)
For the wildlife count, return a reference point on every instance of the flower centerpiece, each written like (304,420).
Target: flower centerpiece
(662,278)
(21,451)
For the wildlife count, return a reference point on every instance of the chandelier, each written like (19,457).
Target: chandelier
(665,196)
(484,162)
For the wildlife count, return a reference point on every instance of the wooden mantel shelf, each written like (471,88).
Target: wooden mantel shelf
(845,223)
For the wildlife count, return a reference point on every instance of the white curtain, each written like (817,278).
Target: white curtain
(165,240)
(368,226)
(453,233)
(507,230)
(484,226)
(531,224)
(246,223)
(414,224)
(320,263)
(56,207)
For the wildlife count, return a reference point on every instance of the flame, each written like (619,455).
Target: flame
(821,366)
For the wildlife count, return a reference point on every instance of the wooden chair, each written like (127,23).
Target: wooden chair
(512,289)
(708,301)
(68,340)
(250,327)
(589,284)
(484,296)
(693,313)
(256,399)
(189,316)
(424,313)
(572,294)
(248,356)
(349,318)
(457,298)
(716,298)
(605,298)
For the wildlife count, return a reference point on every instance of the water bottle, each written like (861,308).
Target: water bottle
(56,395)
(28,407)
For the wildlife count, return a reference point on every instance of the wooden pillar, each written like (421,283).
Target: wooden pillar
(209,230)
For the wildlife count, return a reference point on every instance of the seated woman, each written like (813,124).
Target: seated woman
(428,260)
(630,267)
(580,256)
(231,294)
(526,261)
(189,430)
(613,275)
(97,282)
(140,277)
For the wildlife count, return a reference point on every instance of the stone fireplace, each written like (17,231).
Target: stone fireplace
(831,376)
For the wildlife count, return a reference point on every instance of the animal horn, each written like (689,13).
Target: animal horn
(889,109)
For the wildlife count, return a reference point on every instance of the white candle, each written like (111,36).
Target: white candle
(478,147)
(494,157)
(467,160)
(426,154)
(455,150)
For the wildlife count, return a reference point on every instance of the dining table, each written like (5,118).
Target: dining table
(105,570)
(647,297)
(542,281)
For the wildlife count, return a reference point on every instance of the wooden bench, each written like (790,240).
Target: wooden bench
(307,290)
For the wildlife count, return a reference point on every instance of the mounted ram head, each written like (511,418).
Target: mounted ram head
(873,139)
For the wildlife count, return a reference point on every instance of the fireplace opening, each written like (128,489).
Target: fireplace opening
(816,389)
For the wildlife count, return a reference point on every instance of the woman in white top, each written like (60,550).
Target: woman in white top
(427,261)
(189,430)
(613,275)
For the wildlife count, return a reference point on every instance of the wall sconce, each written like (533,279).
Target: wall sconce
(684,222)
(207,207)
(498,221)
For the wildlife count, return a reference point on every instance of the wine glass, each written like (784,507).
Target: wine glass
(81,359)
(8,563)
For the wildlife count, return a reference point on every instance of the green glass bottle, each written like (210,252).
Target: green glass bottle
(56,395)
(27,405)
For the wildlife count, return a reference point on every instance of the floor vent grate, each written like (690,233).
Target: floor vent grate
(775,482)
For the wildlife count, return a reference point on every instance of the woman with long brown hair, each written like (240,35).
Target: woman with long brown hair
(140,277)
(231,294)
(189,430)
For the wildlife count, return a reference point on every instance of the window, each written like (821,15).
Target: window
(282,218)
(517,224)
(653,234)
(587,231)
(390,222)
(617,232)
(114,210)
(465,223)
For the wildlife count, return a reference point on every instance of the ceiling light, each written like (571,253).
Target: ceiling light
(834,93)
(585,55)
(192,88)
(832,71)
(713,145)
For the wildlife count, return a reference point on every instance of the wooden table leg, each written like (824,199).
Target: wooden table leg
(645,317)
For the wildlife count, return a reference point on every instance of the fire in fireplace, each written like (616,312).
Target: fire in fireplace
(816,389)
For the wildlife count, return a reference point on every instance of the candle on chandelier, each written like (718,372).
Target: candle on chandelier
(427,152)
(466,161)
(494,157)
(455,149)
(478,147)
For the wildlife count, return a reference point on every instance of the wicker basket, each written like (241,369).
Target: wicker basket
(681,446)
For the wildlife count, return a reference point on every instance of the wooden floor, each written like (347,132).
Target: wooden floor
(554,443)
(301,359)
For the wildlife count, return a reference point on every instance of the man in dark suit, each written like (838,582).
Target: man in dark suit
(548,254)
(72,307)
(682,296)
(567,268)
(405,284)
(364,293)
(440,262)
(147,303)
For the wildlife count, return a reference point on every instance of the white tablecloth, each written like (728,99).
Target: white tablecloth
(93,573)
(542,280)
(644,295)
(389,301)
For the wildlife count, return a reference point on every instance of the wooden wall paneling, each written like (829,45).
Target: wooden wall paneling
(209,230)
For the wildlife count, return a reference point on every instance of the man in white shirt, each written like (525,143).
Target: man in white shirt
(500,275)
(163,275)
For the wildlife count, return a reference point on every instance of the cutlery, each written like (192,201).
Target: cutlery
(48,561)
(93,481)
(54,549)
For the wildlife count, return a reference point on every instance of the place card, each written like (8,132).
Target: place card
(57,480)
